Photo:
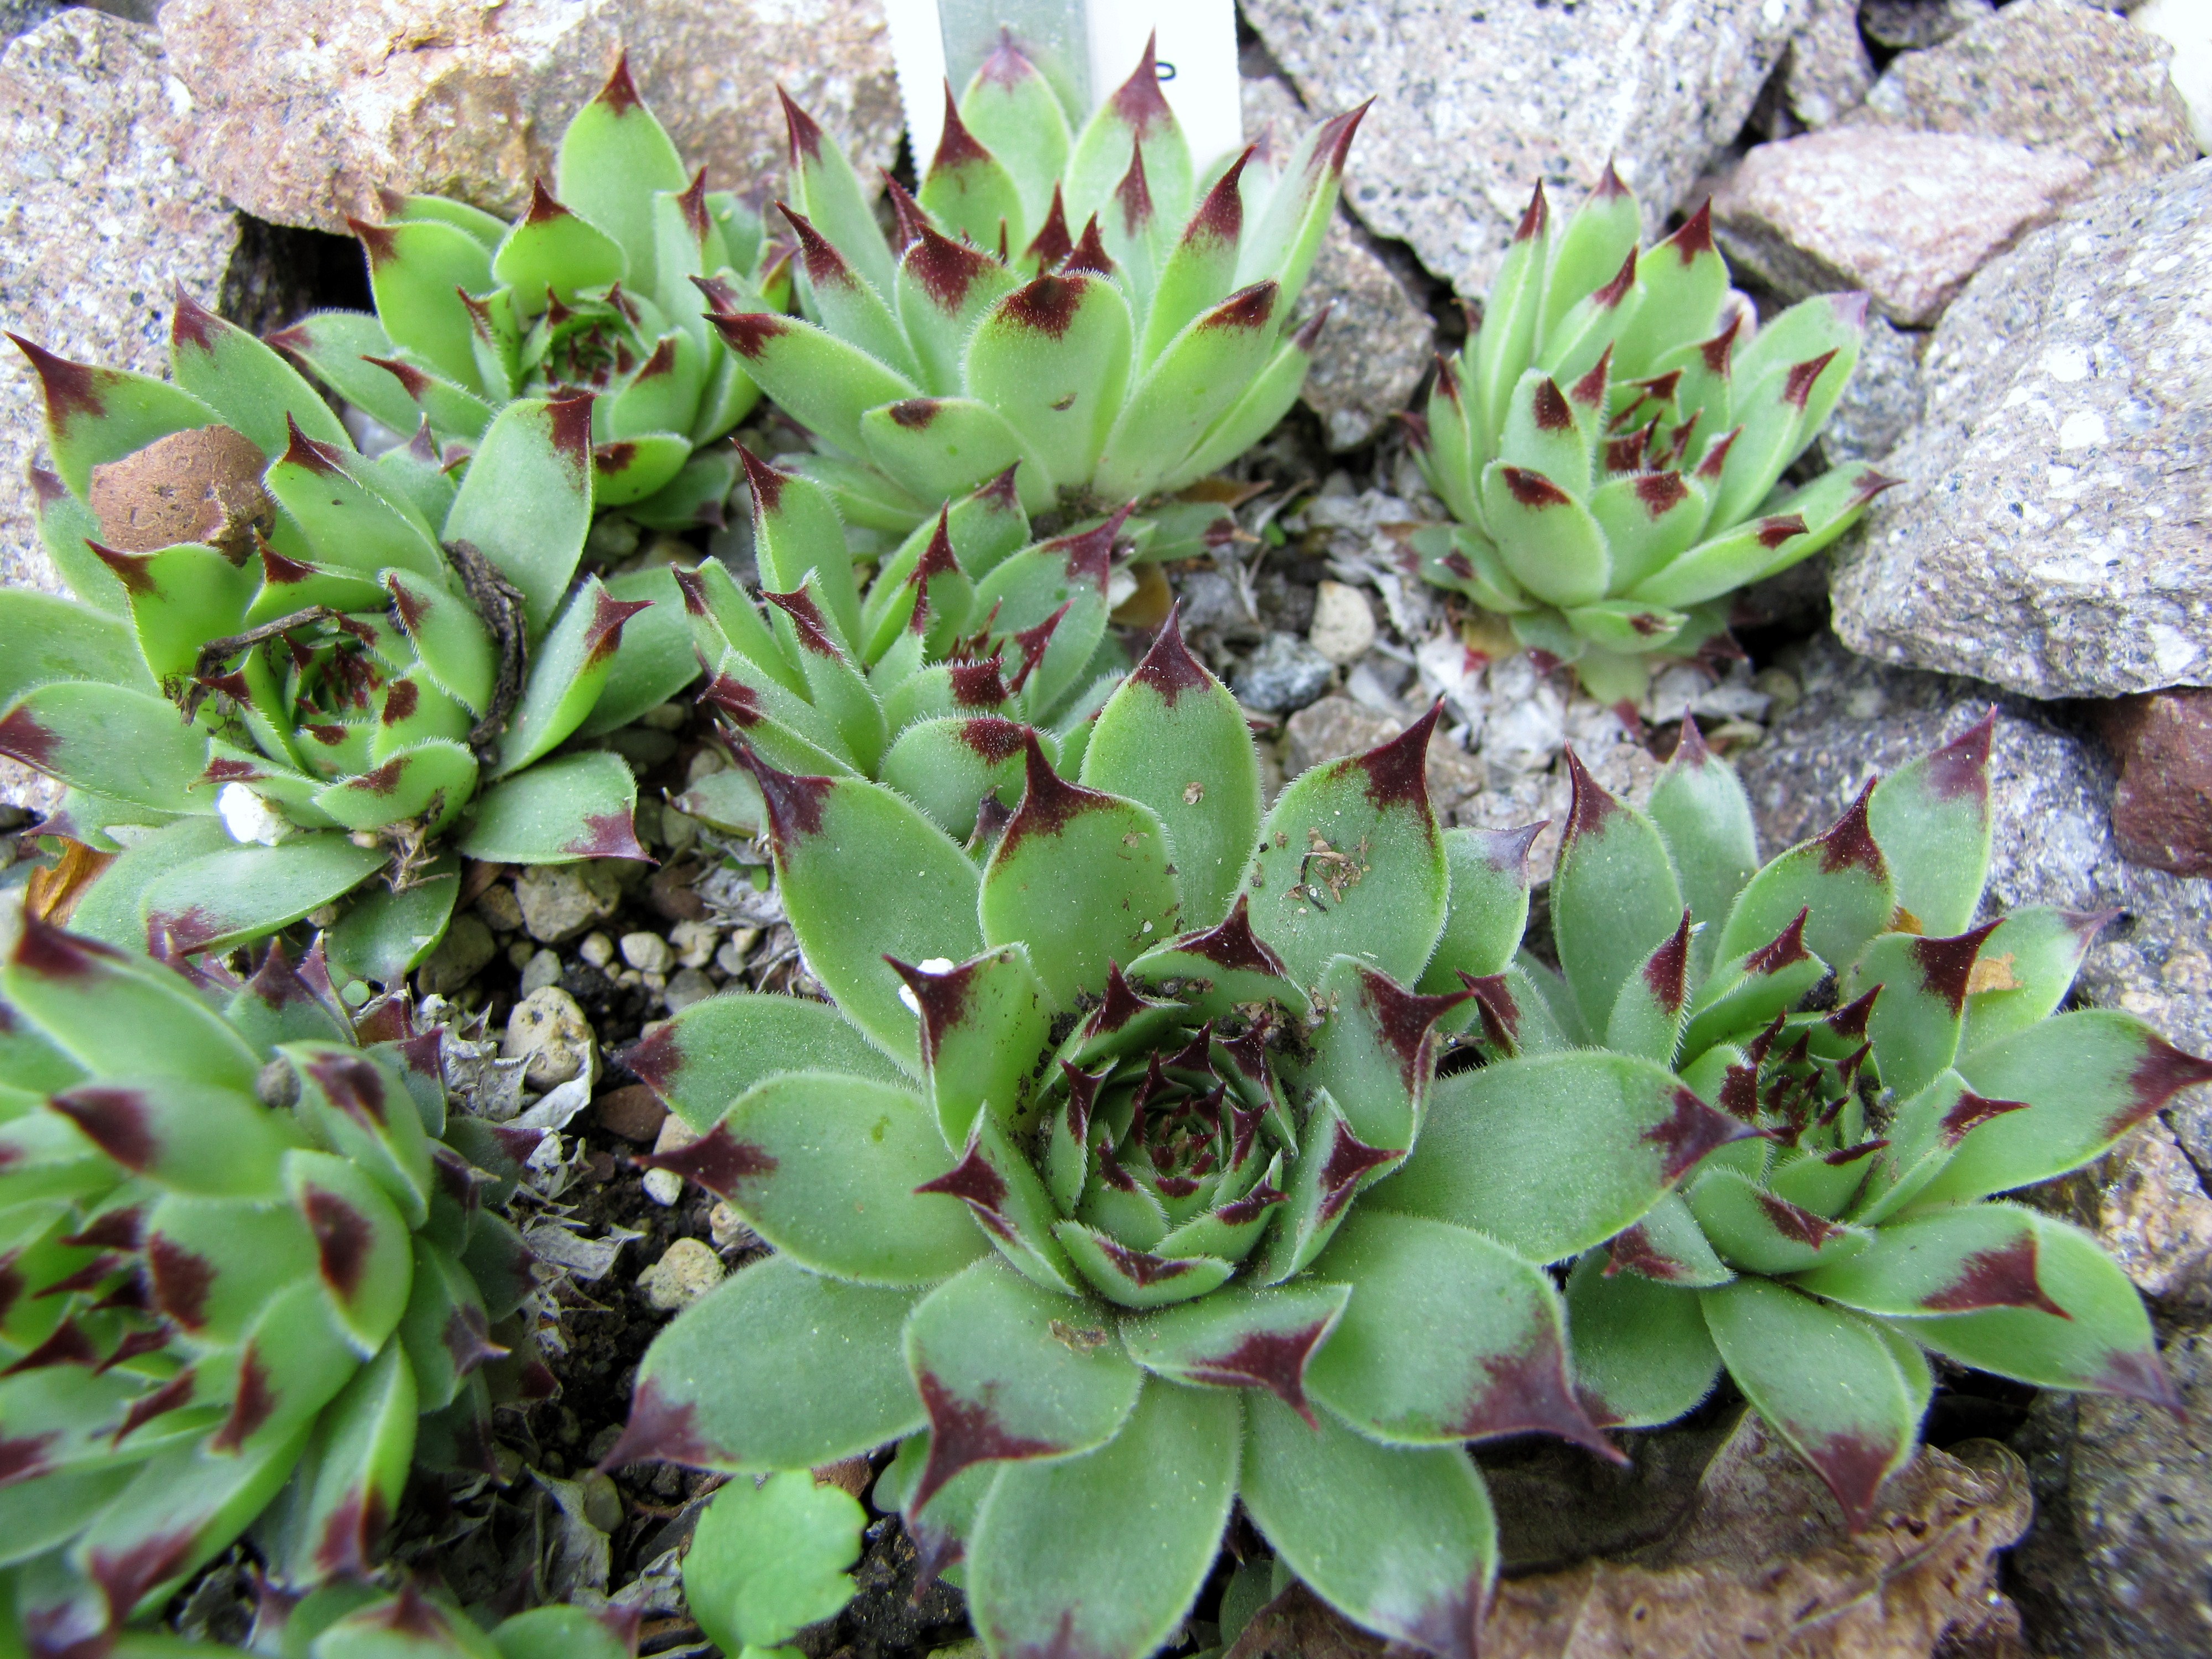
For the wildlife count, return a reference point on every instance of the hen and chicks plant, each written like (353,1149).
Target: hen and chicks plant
(602,286)
(1611,438)
(290,666)
(1089,306)
(251,1274)
(1080,1187)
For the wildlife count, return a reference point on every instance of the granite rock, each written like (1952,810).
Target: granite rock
(1377,342)
(1474,103)
(2053,536)
(2163,811)
(1915,25)
(2052,791)
(98,219)
(2115,1567)
(302,110)
(1883,401)
(1907,216)
(1826,73)
(2146,1204)
(1286,673)
(2055,76)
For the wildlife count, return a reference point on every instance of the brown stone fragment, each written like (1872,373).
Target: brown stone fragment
(633,1112)
(200,485)
(2162,810)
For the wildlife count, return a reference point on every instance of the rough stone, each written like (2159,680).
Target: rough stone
(303,109)
(497,905)
(647,953)
(1473,105)
(633,1111)
(1915,25)
(2146,1203)
(2052,791)
(687,1270)
(559,900)
(1907,216)
(1284,674)
(2115,1568)
(1376,344)
(685,986)
(547,1031)
(1882,402)
(1826,73)
(1344,624)
(2181,24)
(2051,536)
(728,1229)
(542,968)
(2055,76)
(467,946)
(2163,811)
(98,219)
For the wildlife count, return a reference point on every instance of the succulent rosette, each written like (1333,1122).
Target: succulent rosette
(1110,1180)
(602,286)
(250,1272)
(1612,438)
(1089,306)
(1902,1062)
(289,668)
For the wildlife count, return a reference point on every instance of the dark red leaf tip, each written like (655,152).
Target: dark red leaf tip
(975,1183)
(1797,385)
(1045,305)
(718,1161)
(1659,494)
(1275,1360)
(825,266)
(1535,218)
(1692,1130)
(1051,243)
(1406,1022)
(1168,668)
(1617,290)
(1960,767)
(661,1431)
(767,482)
(1220,216)
(2002,1277)
(957,147)
(1591,391)
(1138,100)
(1048,803)
(1853,1467)
(1551,410)
(749,332)
(1946,964)
(1350,1158)
(620,93)
(794,804)
(1849,844)
(1532,489)
(1786,947)
(1696,237)
(571,419)
(1397,771)
(1667,970)
(961,1434)
(1088,253)
(1592,805)
(801,131)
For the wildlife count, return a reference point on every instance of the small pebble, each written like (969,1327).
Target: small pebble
(1343,624)
(647,953)
(498,906)
(728,1229)
(602,1505)
(731,958)
(686,1272)
(542,970)
(693,942)
(597,949)
(460,955)
(633,1112)
(665,1186)
(548,1032)
(705,764)
(520,952)
(560,901)
(686,986)
(665,717)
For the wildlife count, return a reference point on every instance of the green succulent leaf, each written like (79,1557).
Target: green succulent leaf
(1828,1380)
(984,1026)
(1759,1232)
(2038,949)
(109,740)
(713,1390)
(414,266)
(1932,820)
(576,806)
(1110,1549)
(1615,900)
(1839,880)
(1549,1156)
(1401,1540)
(526,501)
(767,1561)
(1643,1355)
(94,415)
(714,1051)
(1916,1020)
(1241,1338)
(82,994)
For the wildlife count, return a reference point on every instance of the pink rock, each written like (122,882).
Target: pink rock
(302,109)
(1907,216)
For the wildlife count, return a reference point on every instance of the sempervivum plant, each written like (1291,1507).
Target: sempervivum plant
(1903,1066)
(1611,437)
(1133,356)
(338,661)
(602,286)
(1092,1184)
(968,632)
(249,1273)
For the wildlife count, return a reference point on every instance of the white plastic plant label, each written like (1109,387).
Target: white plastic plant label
(1087,47)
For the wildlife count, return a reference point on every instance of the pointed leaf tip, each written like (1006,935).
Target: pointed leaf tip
(1397,771)
(1138,100)
(794,803)
(620,93)
(1168,668)
(801,131)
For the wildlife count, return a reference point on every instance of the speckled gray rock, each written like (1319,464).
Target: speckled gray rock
(1826,74)
(2052,793)
(2053,75)
(303,108)
(2115,1567)
(1284,674)
(97,218)
(2053,536)
(1475,102)
(1883,401)
(1377,342)
(1908,217)
(1914,25)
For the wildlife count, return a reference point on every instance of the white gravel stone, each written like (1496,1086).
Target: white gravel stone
(647,953)
(1344,624)
(686,1271)
(685,986)
(543,969)
(549,1033)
